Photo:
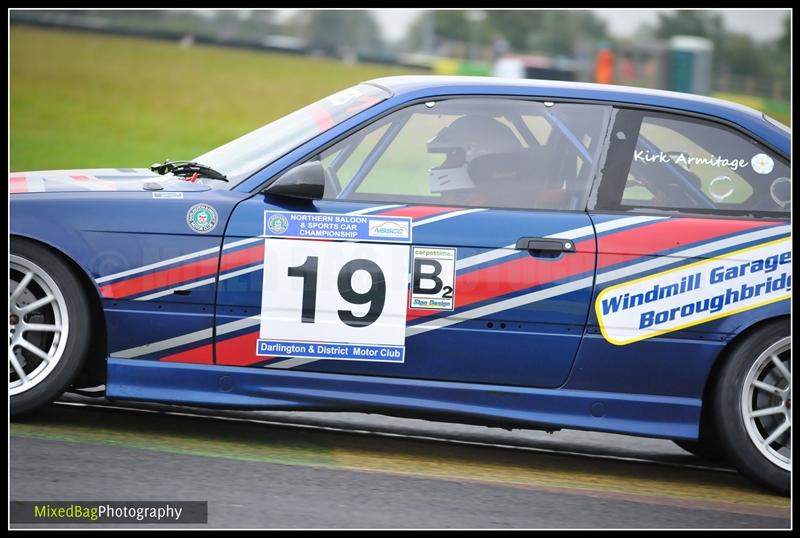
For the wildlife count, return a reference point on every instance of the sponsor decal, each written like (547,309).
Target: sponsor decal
(762,163)
(687,161)
(336,226)
(343,298)
(433,278)
(696,293)
(331,351)
(277,224)
(168,195)
(202,218)
(391,229)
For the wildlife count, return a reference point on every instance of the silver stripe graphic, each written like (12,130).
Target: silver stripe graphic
(234,244)
(204,282)
(186,338)
(368,210)
(499,306)
(692,252)
(244,323)
(213,250)
(290,363)
(170,261)
(226,276)
(240,242)
(444,216)
(469,314)
(163,344)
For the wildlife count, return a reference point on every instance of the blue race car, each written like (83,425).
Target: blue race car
(510,253)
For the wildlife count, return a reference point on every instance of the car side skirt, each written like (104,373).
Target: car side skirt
(250,388)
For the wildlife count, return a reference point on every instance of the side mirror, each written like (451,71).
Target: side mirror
(306,181)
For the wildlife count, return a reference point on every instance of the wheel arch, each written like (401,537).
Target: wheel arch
(713,375)
(94,369)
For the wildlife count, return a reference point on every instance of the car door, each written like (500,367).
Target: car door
(482,264)
(715,259)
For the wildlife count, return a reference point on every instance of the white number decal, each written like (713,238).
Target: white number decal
(333,299)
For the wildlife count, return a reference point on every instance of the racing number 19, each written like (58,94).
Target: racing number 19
(375,295)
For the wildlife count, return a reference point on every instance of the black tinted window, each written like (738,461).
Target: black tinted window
(678,163)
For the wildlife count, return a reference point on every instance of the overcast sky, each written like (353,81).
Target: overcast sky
(761,24)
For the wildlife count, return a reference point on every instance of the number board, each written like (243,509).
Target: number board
(343,297)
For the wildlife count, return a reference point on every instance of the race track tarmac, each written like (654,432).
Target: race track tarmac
(327,471)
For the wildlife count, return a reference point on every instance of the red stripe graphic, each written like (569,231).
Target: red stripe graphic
(517,275)
(198,355)
(176,275)
(17,184)
(322,117)
(194,270)
(418,212)
(666,235)
(619,247)
(239,350)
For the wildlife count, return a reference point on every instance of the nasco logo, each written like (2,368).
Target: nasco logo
(388,229)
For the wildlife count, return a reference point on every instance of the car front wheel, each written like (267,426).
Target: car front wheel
(48,336)
(753,406)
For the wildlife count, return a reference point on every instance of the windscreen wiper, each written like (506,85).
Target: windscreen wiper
(187,169)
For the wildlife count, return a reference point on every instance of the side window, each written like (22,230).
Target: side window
(669,162)
(474,152)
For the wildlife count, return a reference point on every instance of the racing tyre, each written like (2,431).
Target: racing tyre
(48,339)
(753,407)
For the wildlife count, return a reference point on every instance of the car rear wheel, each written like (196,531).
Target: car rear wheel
(48,339)
(753,407)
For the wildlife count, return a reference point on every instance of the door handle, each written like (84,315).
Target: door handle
(545,245)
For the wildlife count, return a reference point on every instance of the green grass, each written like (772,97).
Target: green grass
(84,101)
(779,110)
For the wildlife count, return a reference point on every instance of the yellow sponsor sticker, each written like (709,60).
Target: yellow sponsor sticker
(696,293)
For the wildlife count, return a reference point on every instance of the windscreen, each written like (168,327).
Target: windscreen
(241,158)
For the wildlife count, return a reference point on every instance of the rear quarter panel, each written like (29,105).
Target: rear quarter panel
(676,361)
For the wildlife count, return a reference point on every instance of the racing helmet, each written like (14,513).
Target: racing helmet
(462,141)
